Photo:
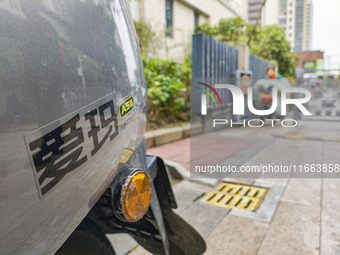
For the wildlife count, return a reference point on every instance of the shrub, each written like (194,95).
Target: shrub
(168,90)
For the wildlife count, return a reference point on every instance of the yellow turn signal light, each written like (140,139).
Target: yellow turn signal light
(136,196)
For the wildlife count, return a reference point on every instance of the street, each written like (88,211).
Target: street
(304,211)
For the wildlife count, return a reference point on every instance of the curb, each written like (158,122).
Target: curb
(177,171)
(291,137)
(168,135)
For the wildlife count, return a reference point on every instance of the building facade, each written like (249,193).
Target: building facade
(310,60)
(295,16)
(299,24)
(269,13)
(253,11)
(176,20)
(307,25)
(290,22)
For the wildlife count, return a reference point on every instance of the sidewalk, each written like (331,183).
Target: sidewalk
(306,221)
(307,215)
(221,147)
(298,216)
(178,151)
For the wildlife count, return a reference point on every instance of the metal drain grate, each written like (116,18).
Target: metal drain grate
(234,195)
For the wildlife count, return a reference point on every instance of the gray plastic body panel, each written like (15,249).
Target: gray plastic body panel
(68,70)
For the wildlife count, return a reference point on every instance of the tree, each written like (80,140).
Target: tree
(256,23)
(268,43)
(231,31)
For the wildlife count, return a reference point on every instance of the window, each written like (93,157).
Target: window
(254,3)
(196,17)
(252,11)
(299,4)
(282,21)
(298,27)
(290,4)
(290,35)
(299,19)
(290,27)
(290,19)
(300,11)
(168,16)
(290,12)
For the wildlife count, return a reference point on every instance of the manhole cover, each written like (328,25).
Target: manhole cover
(234,195)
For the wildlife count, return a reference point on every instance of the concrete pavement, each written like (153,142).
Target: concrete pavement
(306,218)
(305,222)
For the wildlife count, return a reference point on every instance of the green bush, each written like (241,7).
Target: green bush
(168,90)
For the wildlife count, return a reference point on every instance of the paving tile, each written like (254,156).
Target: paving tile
(185,197)
(273,181)
(236,236)
(248,181)
(295,230)
(181,158)
(122,243)
(303,191)
(193,186)
(330,224)
(204,217)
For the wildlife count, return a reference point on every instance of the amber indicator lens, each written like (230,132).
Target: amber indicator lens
(136,196)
